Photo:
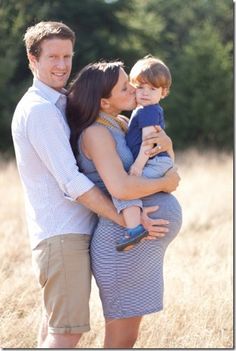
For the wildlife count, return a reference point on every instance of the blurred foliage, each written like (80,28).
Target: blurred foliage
(194,38)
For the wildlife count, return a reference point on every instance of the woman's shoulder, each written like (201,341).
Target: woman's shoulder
(96,132)
(95,128)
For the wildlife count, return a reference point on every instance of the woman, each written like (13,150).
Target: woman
(130,283)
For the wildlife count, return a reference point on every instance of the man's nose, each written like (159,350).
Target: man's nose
(61,63)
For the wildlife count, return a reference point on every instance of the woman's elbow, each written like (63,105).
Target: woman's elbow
(121,187)
(119,193)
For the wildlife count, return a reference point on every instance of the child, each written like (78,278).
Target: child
(152,80)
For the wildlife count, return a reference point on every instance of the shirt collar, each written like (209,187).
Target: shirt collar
(51,94)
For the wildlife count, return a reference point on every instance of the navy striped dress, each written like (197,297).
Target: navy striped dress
(130,282)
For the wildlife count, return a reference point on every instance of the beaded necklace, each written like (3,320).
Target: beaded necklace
(111,121)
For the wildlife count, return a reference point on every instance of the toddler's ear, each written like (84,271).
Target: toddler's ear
(165,92)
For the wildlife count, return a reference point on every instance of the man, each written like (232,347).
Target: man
(59,228)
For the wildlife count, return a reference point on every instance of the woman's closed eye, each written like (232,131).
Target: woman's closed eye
(125,87)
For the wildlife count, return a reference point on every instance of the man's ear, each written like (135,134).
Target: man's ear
(32,59)
(104,104)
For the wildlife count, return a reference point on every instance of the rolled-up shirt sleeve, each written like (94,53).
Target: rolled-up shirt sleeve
(78,186)
(50,141)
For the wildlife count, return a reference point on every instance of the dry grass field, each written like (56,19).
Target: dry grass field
(198,309)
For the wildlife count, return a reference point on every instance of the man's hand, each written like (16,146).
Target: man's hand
(160,139)
(156,227)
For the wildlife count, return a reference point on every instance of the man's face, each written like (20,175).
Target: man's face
(53,67)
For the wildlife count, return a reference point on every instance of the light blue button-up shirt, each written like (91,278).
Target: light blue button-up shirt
(47,166)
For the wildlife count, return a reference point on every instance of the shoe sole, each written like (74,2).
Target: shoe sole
(121,247)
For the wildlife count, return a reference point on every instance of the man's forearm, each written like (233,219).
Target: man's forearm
(98,202)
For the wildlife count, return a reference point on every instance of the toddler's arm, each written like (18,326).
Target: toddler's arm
(139,163)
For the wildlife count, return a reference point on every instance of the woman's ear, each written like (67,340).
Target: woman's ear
(105,104)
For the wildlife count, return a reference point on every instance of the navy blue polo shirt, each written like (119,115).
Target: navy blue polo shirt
(143,117)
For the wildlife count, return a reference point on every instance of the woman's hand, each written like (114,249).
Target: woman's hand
(160,139)
(156,227)
(171,180)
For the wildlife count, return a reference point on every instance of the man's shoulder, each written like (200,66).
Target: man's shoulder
(34,96)
(32,100)
(32,107)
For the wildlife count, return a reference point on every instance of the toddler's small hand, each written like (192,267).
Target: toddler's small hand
(135,171)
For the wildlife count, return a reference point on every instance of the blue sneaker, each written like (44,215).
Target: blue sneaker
(131,237)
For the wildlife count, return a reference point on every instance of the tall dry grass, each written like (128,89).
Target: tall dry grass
(198,310)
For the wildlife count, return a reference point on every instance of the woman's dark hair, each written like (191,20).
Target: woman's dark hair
(93,82)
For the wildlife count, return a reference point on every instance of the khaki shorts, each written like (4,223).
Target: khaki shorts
(62,265)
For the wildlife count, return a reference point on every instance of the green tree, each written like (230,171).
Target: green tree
(195,39)
(200,106)
(188,35)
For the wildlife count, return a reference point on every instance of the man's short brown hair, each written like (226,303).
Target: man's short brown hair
(45,30)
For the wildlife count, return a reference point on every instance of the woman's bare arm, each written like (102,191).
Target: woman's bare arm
(100,147)
(161,140)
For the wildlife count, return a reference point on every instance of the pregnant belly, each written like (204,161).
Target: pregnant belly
(169,209)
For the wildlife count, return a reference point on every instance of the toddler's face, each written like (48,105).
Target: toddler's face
(147,94)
